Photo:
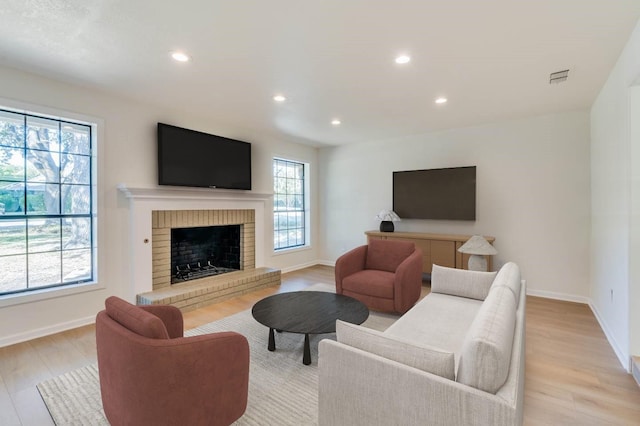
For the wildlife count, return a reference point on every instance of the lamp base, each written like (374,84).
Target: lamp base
(477,263)
(386,226)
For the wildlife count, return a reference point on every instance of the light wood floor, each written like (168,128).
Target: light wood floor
(572,375)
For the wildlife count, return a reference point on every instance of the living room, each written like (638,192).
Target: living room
(557,187)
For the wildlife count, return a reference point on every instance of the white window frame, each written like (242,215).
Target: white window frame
(97,134)
(305,210)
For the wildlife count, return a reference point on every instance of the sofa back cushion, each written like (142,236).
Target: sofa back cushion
(509,277)
(135,319)
(425,358)
(460,282)
(486,352)
(387,255)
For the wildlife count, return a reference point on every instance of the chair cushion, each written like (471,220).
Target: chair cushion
(387,255)
(459,282)
(371,282)
(425,358)
(135,319)
(486,352)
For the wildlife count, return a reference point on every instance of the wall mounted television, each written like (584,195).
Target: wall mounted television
(191,158)
(445,194)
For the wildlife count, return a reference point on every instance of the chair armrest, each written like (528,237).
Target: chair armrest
(170,316)
(408,282)
(349,263)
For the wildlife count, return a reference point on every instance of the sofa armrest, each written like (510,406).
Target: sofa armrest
(349,263)
(408,282)
(170,316)
(359,388)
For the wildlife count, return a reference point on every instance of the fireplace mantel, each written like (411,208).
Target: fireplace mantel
(143,201)
(190,194)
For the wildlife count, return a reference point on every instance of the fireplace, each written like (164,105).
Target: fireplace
(203,251)
(200,227)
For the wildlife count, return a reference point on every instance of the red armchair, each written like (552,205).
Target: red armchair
(151,375)
(385,275)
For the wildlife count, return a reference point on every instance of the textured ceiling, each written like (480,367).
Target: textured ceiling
(331,59)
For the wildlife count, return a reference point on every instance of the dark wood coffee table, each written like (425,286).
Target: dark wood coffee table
(307,312)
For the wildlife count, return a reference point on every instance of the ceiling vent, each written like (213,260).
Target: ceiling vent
(558,77)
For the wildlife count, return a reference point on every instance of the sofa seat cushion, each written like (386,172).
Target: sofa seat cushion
(438,320)
(370,282)
(486,353)
(423,357)
(387,255)
(460,282)
(135,319)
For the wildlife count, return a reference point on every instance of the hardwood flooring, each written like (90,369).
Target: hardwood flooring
(572,375)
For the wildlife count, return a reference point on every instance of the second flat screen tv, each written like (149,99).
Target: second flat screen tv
(190,158)
(445,194)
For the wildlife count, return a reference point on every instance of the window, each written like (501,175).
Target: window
(289,214)
(46,203)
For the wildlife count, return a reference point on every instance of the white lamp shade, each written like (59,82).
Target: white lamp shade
(478,245)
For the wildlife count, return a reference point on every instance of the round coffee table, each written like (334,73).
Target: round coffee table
(307,312)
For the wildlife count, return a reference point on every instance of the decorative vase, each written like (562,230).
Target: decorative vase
(386,226)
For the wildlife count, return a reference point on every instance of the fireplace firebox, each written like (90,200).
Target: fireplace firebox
(198,252)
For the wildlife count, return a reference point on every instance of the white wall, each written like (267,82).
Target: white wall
(129,156)
(532,194)
(615,168)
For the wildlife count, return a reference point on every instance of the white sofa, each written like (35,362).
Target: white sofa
(455,358)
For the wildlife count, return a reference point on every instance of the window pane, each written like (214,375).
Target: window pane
(42,134)
(13,240)
(76,233)
(14,273)
(44,269)
(76,199)
(76,138)
(43,166)
(12,164)
(11,129)
(75,169)
(43,235)
(43,198)
(76,265)
(12,197)
(280,202)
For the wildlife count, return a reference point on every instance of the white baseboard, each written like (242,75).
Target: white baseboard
(307,264)
(558,296)
(45,331)
(623,357)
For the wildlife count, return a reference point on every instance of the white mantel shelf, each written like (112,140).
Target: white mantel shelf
(190,194)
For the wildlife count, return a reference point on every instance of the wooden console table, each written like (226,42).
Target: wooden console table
(441,249)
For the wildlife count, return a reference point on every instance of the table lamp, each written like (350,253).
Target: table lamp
(478,248)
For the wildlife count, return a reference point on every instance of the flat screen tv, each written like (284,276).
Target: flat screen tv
(190,158)
(446,194)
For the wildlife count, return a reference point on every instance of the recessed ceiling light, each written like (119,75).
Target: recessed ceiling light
(403,59)
(180,56)
(336,122)
(441,100)
(279,98)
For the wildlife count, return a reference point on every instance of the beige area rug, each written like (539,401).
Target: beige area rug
(282,391)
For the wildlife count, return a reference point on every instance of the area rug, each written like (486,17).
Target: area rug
(282,391)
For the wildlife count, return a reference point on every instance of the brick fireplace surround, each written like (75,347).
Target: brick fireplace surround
(153,212)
